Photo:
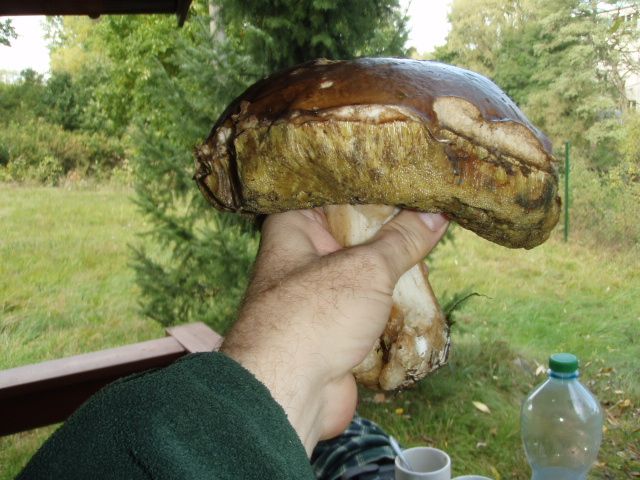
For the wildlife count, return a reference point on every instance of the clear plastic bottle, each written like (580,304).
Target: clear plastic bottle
(561,424)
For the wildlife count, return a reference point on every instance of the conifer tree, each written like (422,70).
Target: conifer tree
(196,261)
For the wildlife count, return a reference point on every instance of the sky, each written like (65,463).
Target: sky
(29,50)
(428,26)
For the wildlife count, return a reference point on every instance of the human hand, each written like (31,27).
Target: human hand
(313,310)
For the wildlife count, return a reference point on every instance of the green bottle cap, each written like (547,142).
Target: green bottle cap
(563,363)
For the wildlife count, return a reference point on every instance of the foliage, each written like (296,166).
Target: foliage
(47,130)
(7,32)
(61,100)
(605,206)
(279,34)
(573,101)
(162,90)
(563,61)
(73,44)
(22,99)
(78,55)
(630,141)
(478,29)
(195,263)
(37,150)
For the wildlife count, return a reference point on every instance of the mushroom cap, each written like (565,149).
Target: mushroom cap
(409,133)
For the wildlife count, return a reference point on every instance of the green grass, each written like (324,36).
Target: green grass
(65,288)
(65,285)
(558,297)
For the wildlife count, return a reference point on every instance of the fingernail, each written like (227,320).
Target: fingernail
(433,221)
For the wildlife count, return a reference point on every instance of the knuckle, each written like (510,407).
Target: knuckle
(376,266)
(405,239)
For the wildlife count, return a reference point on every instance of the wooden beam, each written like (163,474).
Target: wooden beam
(196,337)
(44,393)
(85,7)
(95,8)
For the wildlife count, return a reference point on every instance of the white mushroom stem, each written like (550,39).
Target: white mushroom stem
(416,340)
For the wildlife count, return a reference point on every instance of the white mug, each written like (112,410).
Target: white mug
(427,464)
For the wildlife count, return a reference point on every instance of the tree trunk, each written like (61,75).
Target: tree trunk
(215,24)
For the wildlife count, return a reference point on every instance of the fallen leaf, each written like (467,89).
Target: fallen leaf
(379,398)
(494,431)
(428,440)
(481,406)
(399,411)
(605,370)
(541,370)
(613,421)
(495,473)
(481,445)
(624,404)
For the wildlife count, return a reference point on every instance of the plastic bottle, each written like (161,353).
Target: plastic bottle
(561,424)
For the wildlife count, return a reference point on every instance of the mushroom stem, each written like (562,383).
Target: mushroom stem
(416,339)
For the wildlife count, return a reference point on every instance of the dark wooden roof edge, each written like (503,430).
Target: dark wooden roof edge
(95,8)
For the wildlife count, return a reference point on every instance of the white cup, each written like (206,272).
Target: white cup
(427,464)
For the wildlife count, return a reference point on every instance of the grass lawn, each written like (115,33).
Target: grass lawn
(557,297)
(65,285)
(65,288)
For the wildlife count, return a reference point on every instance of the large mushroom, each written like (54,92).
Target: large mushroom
(367,137)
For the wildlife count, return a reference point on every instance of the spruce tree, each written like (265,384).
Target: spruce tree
(194,262)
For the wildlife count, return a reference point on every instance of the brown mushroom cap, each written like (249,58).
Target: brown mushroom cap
(409,133)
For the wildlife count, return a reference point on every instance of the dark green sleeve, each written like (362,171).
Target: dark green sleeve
(203,417)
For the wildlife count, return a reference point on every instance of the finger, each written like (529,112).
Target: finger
(299,231)
(289,241)
(407,239)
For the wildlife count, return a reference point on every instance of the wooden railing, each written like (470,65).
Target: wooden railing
(44,393)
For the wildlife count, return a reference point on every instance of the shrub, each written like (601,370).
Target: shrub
(35,149)
(49,170)
(630,142)
(4,155)
(605,207)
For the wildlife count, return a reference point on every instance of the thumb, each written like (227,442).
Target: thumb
(407,239)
